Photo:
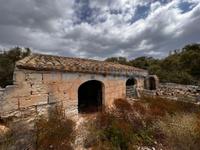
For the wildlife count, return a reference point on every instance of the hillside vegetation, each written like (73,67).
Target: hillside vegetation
(181,66)
(7,64)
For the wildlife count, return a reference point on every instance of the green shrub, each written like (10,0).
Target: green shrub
(7,64)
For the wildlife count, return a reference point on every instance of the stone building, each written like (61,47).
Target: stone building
(78,84)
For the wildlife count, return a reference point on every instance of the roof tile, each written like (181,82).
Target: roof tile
(41,62)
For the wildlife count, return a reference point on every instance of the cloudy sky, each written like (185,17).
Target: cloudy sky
(100,28)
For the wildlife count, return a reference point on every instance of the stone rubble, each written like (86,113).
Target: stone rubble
(180,92)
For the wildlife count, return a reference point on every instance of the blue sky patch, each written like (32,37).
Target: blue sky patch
(141,13)
(186,6)
(83,12)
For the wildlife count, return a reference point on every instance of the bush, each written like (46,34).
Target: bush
(181,131)
(121,128)
(151,122)
(57,132)
(16,137)
(7,64)
(161,106)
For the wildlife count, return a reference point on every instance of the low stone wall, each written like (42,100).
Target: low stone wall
(179,92)
(172,91)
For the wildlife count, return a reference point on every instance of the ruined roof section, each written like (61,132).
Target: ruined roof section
(68,64)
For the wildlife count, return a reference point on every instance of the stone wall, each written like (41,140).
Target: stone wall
(179,92)
(43,88)
(188,93)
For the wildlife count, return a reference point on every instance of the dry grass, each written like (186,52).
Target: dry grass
(151,122)
(19,136)
(180,131)
(56,132)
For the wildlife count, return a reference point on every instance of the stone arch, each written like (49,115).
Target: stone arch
(131,84)
(90,96)
(151,82)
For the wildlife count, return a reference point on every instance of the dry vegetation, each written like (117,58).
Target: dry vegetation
(151,122)
(56,132)
(53,133)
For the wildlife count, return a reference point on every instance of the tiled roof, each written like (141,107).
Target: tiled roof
(42,62)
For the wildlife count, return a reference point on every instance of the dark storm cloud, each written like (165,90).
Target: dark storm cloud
(100,29)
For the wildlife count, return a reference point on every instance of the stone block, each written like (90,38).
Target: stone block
(33,100)
(19,76)
(53,97)
(39,89)
(8,105)
(34,77)
(52,77)
(13,91)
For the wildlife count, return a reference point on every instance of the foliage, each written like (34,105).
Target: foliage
(56,132)
(7,64)
(41,133)
(149,122)
(121,60)
(120,128)
(181,66)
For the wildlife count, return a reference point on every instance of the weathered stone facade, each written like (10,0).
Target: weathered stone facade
(39,88)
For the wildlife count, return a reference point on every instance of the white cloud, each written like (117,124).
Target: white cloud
(106,29)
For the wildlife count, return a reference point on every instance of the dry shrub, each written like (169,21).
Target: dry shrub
(122,105)
(5,137)
(156,111)
(120,128)
(156,122)
(160,106)
(181,131)
(139,107)
(109,132)
(20,135)
(56,132)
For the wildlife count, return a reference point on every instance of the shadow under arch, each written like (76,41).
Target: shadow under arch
(90,96)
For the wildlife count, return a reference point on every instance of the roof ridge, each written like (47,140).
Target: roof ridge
(85,59)
(37,61)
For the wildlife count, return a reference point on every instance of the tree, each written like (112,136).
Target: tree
(181,66)
(120,60)
(7,63)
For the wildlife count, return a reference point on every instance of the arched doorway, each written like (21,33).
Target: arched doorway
(90,96)
(152,83)
(131,88)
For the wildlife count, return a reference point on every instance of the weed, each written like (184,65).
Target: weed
(55,132)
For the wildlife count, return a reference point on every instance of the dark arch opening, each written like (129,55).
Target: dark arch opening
(130,82)
(90,95)
(130,87)
(152,83)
